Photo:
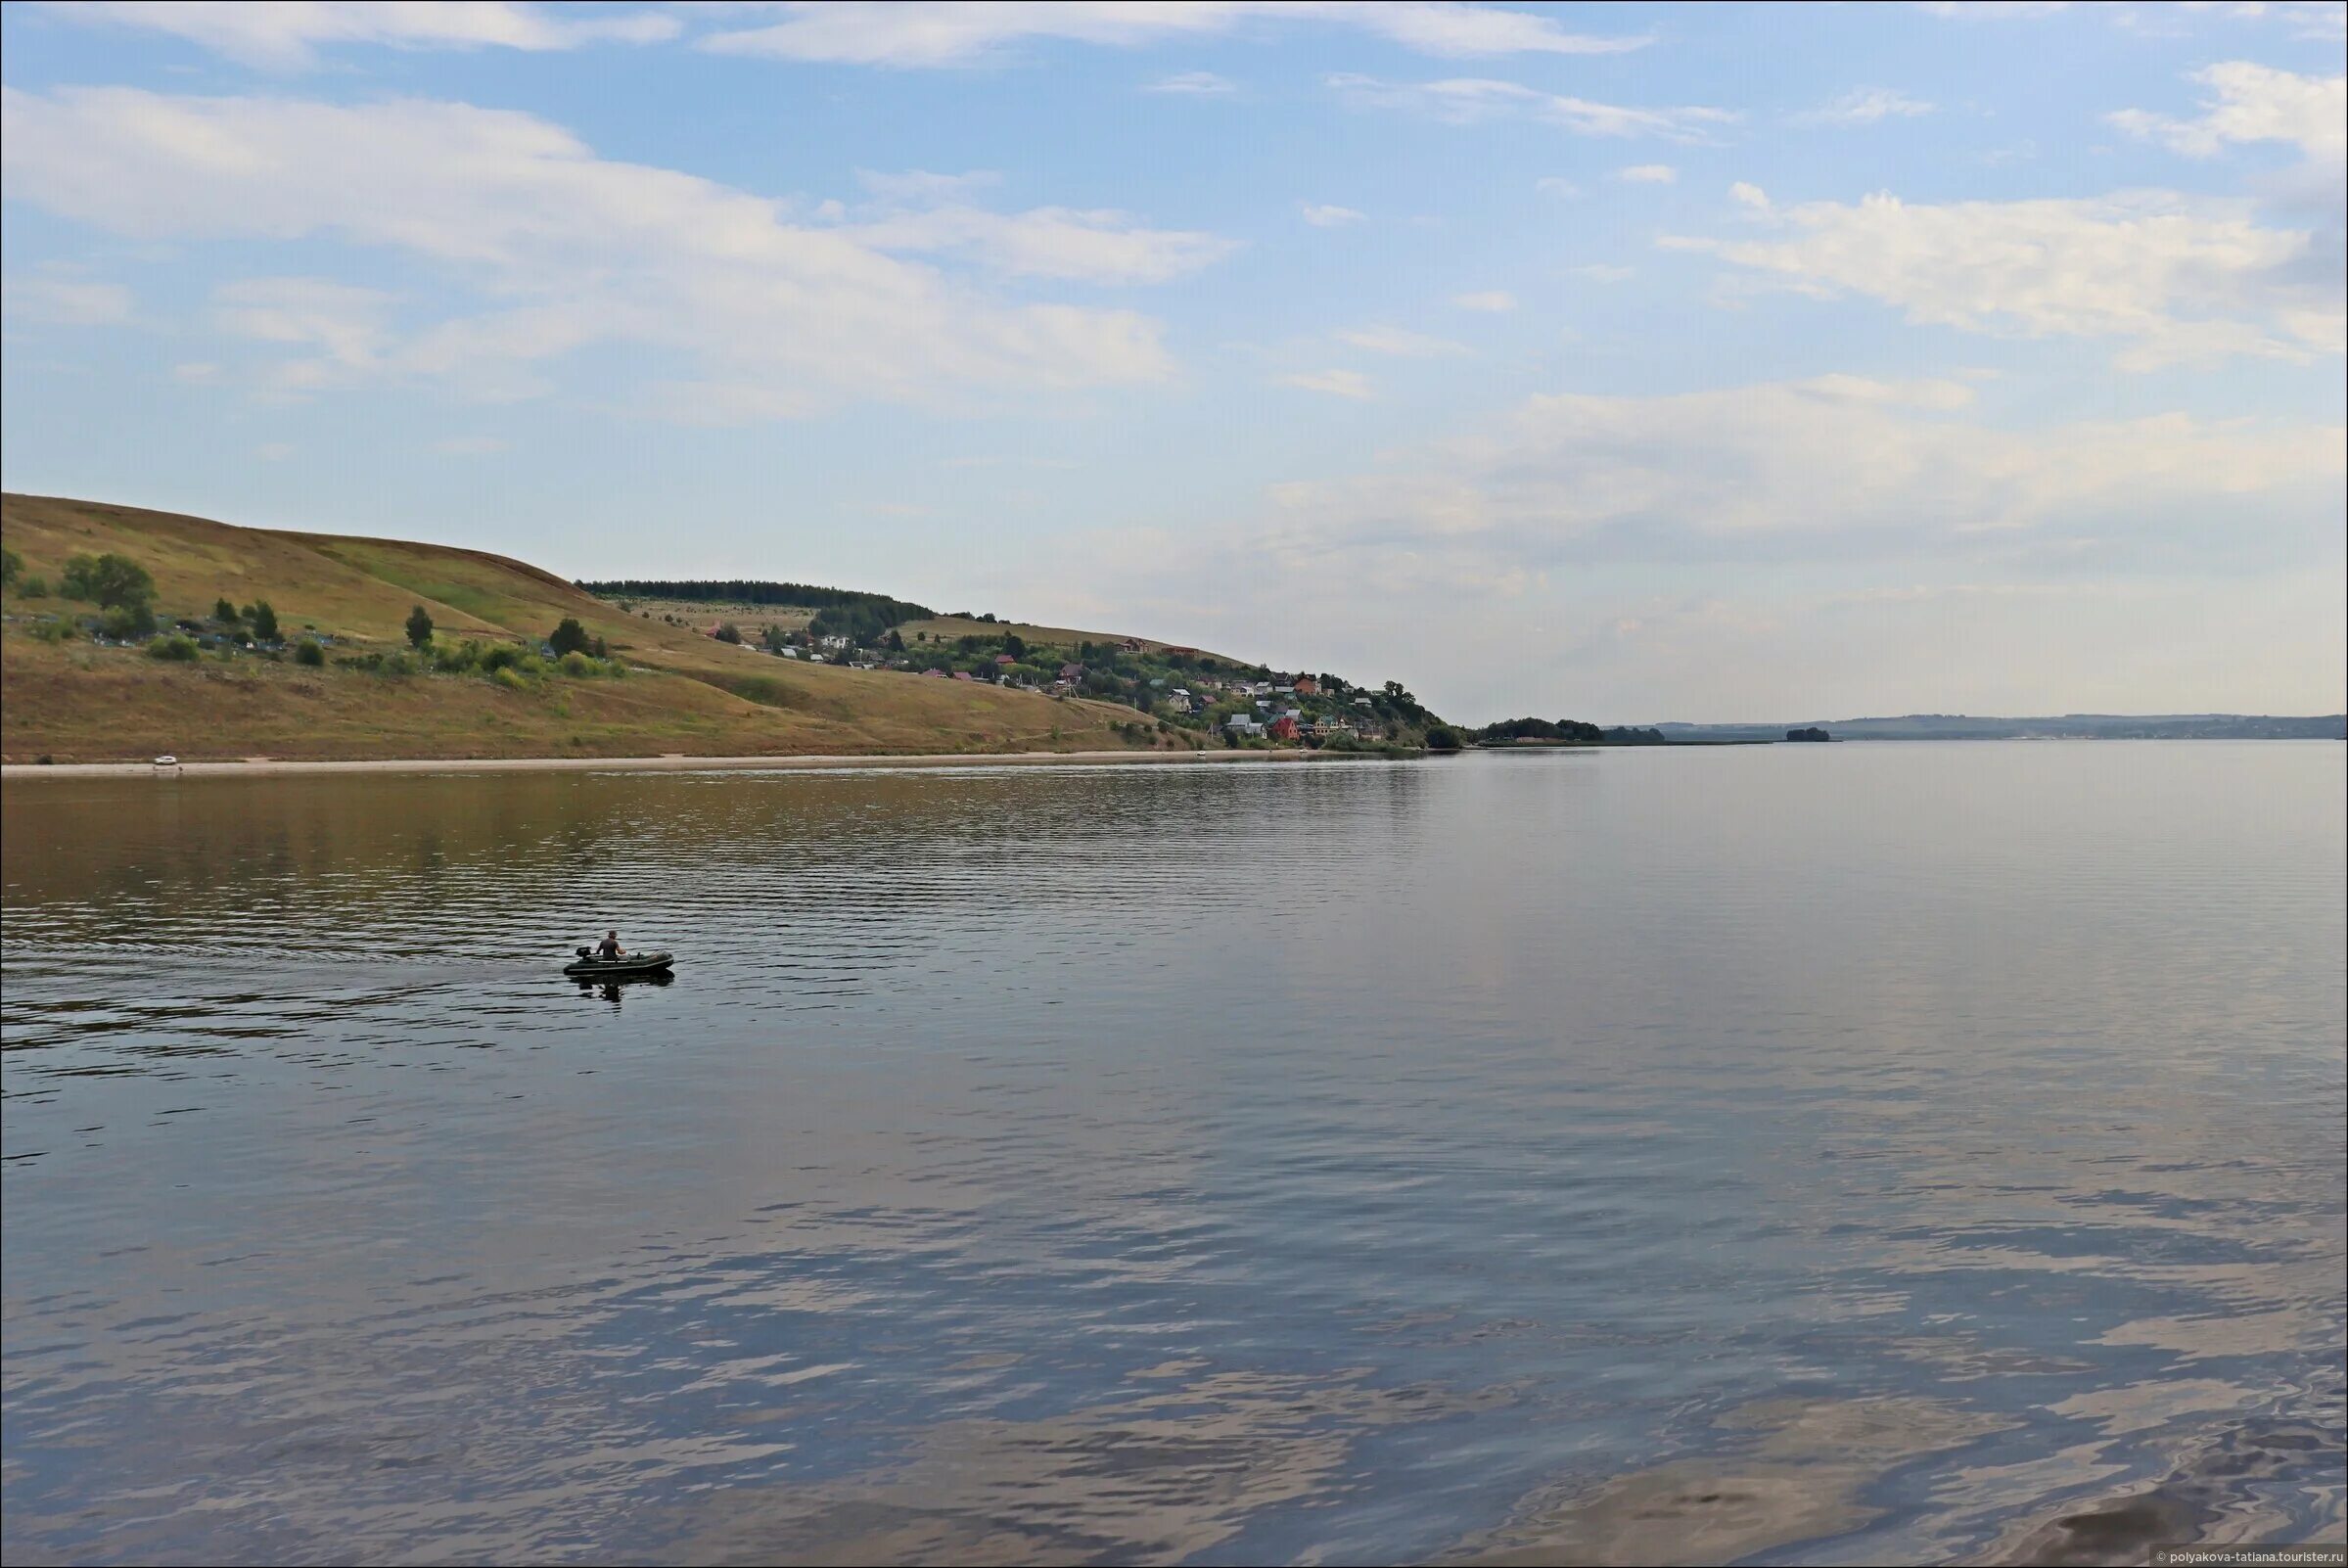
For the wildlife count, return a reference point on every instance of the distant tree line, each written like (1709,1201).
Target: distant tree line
(1548,729)
(745,591)
(1570,731)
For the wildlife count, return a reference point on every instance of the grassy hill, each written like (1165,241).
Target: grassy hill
(78,700)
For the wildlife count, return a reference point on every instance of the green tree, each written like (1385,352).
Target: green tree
(419,627)
(1015,645)
(265,621)
(568,637)
(223,610)
(727,632)
(896,640)
(126,620)
(11,565)
(307,652)
(113,582)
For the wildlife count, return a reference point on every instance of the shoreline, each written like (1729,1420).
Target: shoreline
(12,772)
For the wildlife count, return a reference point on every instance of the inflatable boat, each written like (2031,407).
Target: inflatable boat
(589,967)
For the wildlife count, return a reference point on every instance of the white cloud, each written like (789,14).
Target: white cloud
(936,33)
(288,35)
(1829,455)
(196,373)
(1494,300)
(918,210)
(1328,217)
(1992,10)
(1769,506)
(1552,185)
(1403,345)
(1468,31)
(65,301)
(2254,104)
(1865,106)
(274,451)
(2182,278)
(1648,174)
(469,447)
(925,187)
(723,404)
(1336,383)
(2323,20)
(345,325)
(571,249)
(1194,84)
(1600,274)
(1463,101)
(1049,242)
(1752,196)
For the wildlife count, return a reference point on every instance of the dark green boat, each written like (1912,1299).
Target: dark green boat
(627,966)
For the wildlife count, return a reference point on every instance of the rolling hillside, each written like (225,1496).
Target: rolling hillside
(78,700)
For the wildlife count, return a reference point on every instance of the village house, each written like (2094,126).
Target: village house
(1072,674)
(1305,686)
(1242,725)
(1282,728)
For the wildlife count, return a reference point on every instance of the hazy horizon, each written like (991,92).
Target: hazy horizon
(1626,362)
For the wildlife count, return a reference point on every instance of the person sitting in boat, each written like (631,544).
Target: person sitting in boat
(609,948)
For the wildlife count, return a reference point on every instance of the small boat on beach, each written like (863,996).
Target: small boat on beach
(627,966)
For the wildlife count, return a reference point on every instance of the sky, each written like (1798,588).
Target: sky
(1621,362)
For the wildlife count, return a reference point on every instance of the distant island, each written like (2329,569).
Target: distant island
(1562,732)
(2065,727)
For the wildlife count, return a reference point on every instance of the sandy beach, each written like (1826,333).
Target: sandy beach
(12,772)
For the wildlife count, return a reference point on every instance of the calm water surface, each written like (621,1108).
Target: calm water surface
(1799,1154)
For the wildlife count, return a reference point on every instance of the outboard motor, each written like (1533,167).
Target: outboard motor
(584,952)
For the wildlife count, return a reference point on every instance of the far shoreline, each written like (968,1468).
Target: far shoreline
(254,767)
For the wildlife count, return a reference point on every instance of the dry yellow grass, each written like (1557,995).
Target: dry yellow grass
(76,702)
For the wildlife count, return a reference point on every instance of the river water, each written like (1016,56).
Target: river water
(1865,1153)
